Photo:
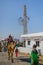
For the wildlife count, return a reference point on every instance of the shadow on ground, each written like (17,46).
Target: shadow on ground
(26,60)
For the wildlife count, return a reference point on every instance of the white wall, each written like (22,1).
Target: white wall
(41,44)
(41,47)
(32,42)
(28,48)
(25,50)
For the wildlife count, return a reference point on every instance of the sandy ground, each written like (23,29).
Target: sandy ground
(22,59)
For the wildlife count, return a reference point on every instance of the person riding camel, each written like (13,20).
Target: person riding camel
(10,48)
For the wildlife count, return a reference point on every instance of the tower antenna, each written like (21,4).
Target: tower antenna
(24,21)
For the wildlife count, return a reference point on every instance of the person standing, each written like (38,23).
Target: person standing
(34,56)
(16,51)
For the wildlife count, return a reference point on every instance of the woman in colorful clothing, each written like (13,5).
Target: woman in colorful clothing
(34,56)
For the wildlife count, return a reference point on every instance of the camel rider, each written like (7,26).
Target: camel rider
(11,48)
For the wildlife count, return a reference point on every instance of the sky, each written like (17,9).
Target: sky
(11,10)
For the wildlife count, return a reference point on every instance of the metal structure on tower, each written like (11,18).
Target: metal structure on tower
(24,21)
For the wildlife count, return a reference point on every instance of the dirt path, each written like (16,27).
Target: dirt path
(22,59)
